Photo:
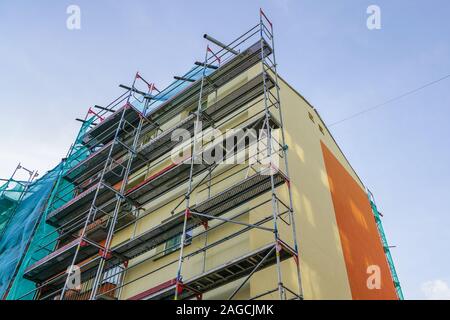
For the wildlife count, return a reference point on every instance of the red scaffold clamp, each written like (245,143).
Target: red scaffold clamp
(288,182)
(138,76)
(296,260)
(128,105)
(83,244)
(188,213)
(151,86)
(105,254)
(212,52)
(179,286)
(90,111)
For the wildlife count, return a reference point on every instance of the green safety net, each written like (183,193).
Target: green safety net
(28,238)
(195,73)
(385,244)
(10,194)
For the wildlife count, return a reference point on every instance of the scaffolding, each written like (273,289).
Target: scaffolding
(132,135)
(386,247)
(12,192)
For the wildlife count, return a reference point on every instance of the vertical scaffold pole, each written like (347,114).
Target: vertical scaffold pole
(197,127)
(285,156)
(269,156)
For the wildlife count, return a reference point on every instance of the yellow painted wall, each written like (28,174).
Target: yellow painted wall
(322,265)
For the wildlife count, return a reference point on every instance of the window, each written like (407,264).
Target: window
(113,275)
(321,129)
(311,117)
(174,243)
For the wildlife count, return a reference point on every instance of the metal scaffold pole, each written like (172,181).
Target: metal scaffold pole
(197,128)
(271,167)
(273,68)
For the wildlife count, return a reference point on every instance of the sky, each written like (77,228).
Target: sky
(50,75)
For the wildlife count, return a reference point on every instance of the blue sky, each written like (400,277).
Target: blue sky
(50,75)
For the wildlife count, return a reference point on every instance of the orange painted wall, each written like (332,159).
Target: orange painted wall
(358,232)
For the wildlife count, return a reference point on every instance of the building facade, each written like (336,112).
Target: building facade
(272,209)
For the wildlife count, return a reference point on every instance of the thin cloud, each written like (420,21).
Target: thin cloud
(436,290)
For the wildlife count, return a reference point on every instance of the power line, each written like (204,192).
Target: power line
(389,101)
